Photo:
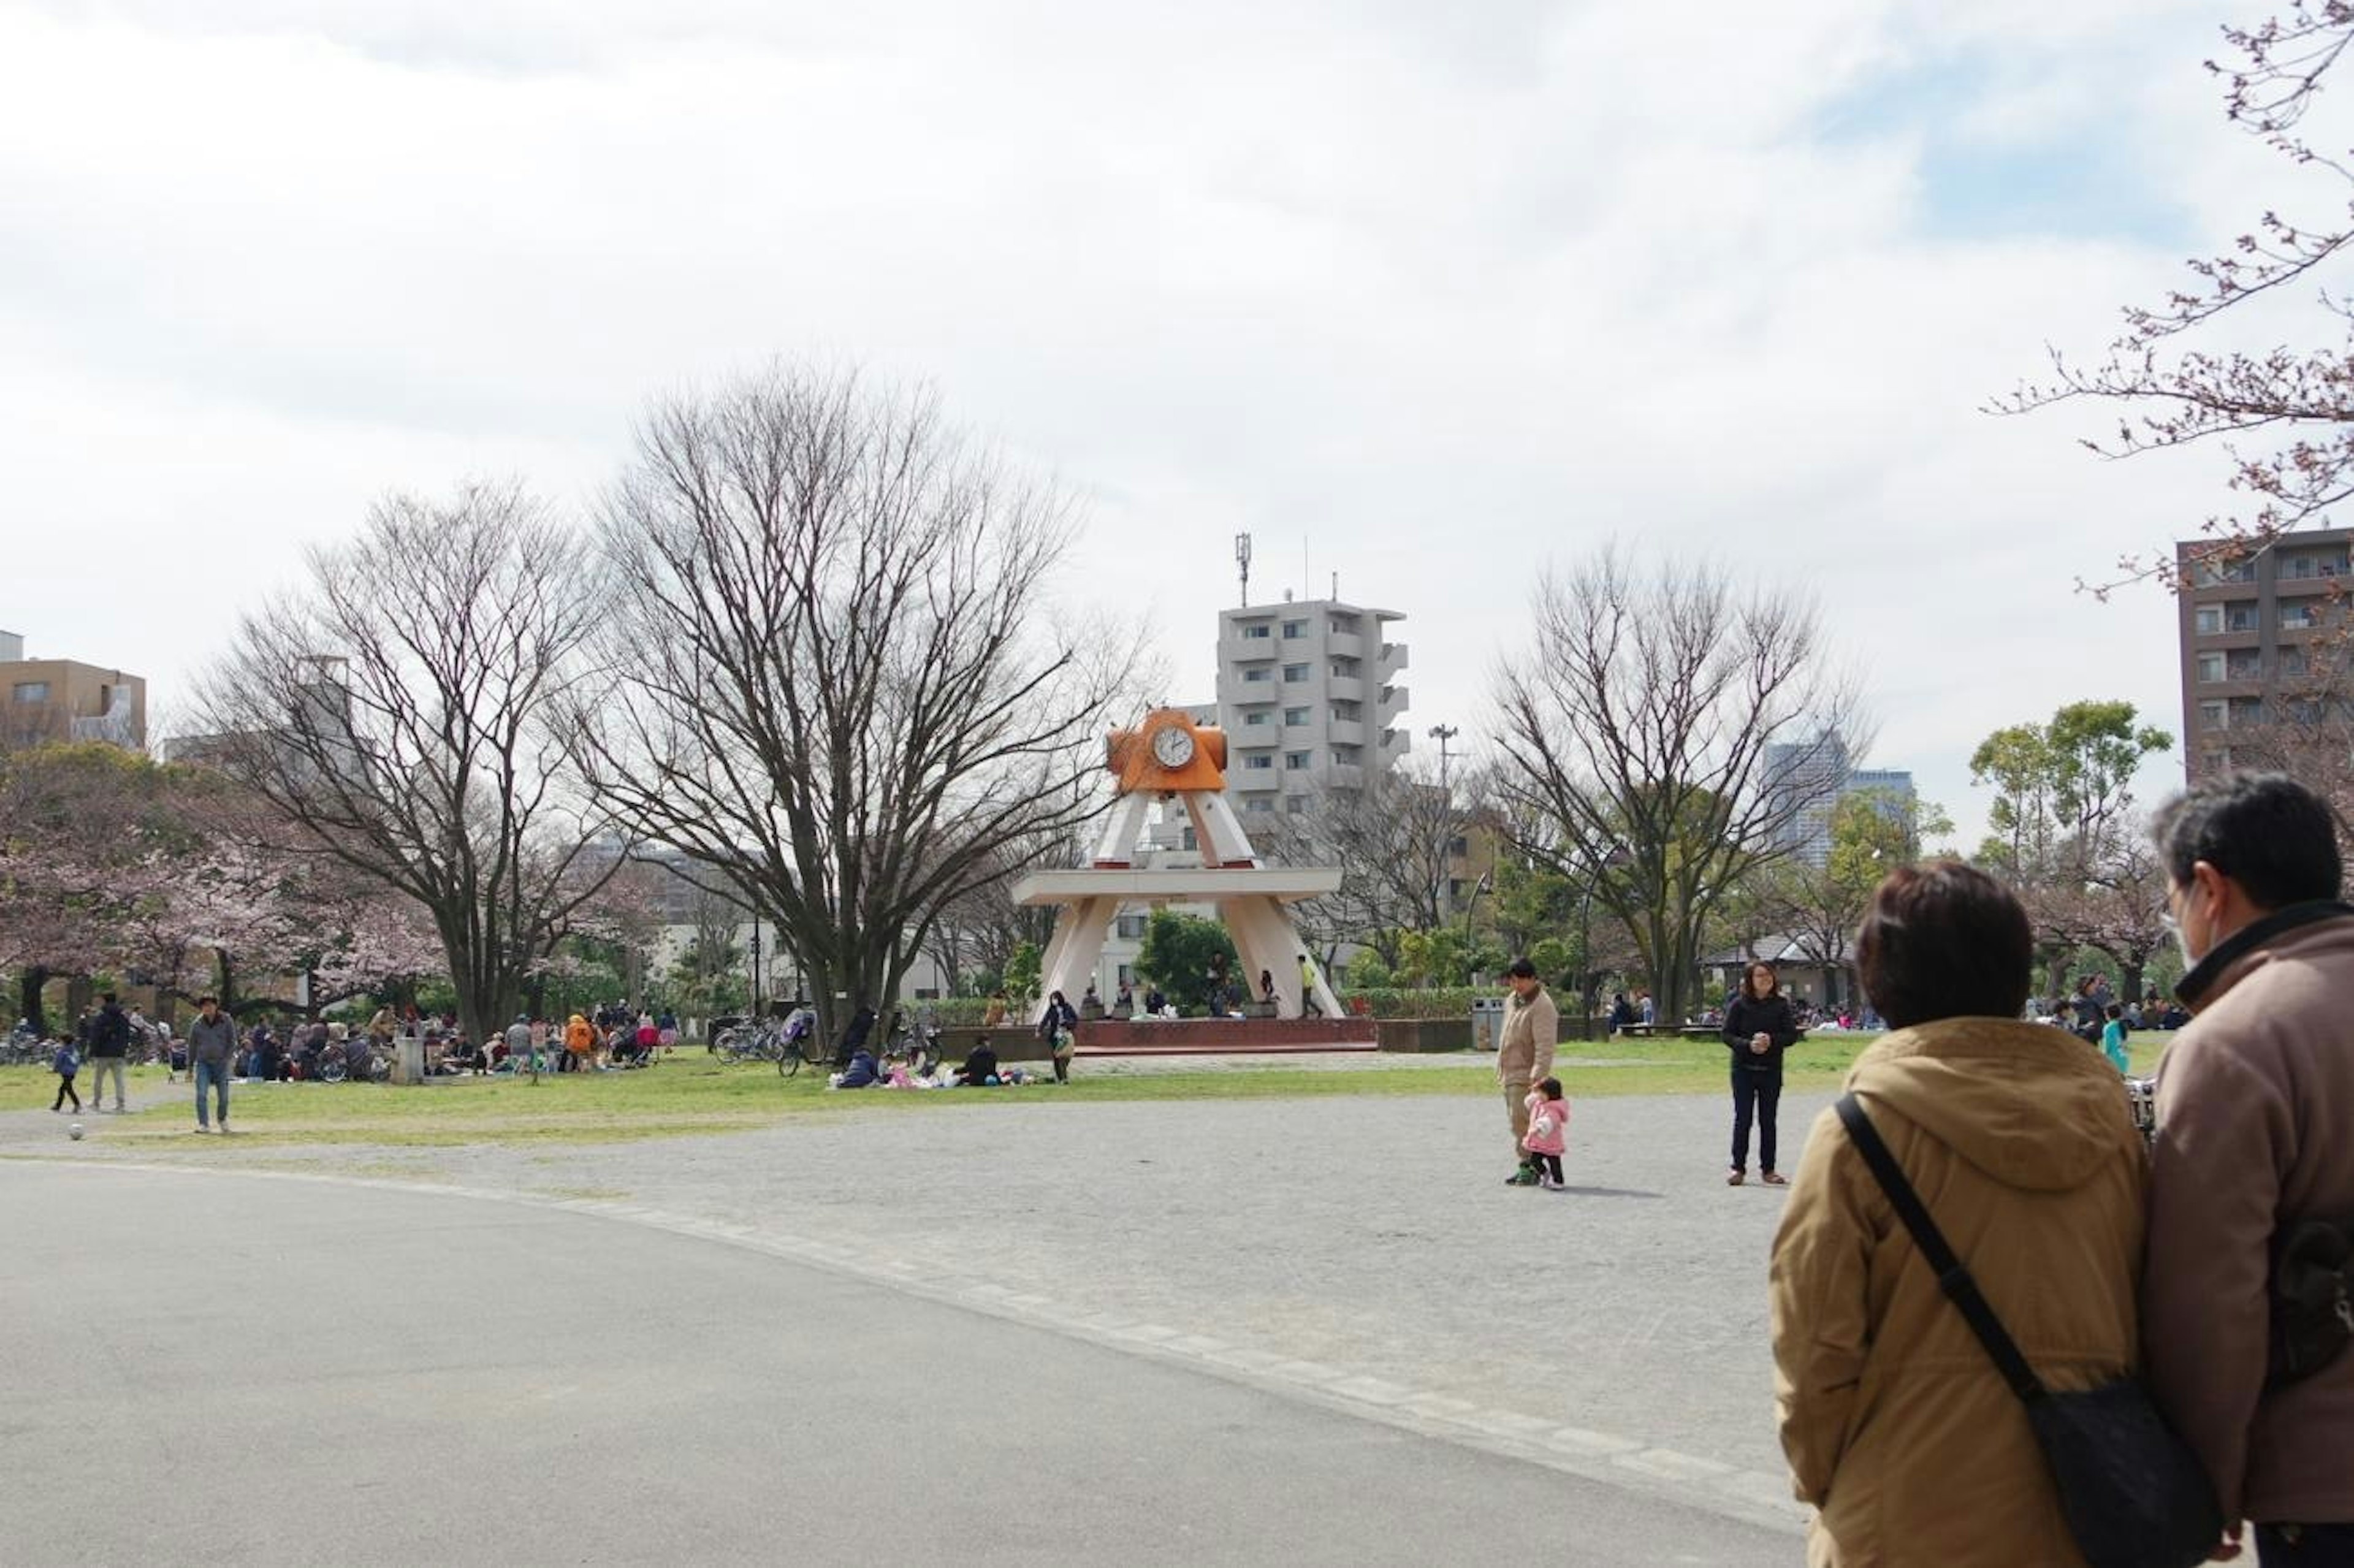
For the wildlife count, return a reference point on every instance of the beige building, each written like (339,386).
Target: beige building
(59,699)
(2263,636)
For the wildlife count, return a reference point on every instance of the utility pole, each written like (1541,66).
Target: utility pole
(1443,733)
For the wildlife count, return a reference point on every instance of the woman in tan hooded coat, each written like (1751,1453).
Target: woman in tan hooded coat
(2017,1138)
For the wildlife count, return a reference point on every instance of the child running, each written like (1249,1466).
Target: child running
(1547,1140)
(65,1065)
(2113,1040)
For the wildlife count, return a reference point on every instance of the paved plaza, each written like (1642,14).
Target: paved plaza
(1213,1290)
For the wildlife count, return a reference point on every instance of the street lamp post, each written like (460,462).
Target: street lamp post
(1443,733)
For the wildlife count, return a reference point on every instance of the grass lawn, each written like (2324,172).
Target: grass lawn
(691,1093)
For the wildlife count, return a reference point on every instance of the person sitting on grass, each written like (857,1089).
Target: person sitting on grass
(979,1068)
(861,1073)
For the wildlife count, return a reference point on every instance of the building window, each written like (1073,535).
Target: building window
(2314,567)
(1296,717)
(1458,847)
(2211,715)
(2298,617)
(1258,763)
(1455,889)
(1347,754)
(1295,673)
(1297,761)
(2292,663)
(2242,618)
(2210,669)
(1188,840)
(1344,625)
(2207,574)
(1257,630)
(1345,669)
(2207,619)
(1131,927)
(2246,711)
(1294,630)
(1260,673)
(1259,717)
(32,692)
(1260,805)
(1347,712)
(2246,664)
(1295,805)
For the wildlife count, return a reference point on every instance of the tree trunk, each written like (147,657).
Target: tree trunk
(30,984)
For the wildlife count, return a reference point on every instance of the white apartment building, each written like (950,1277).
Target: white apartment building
(1308,697)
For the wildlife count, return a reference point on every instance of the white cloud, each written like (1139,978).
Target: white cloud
(1439,293)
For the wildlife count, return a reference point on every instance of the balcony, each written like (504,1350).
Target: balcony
(1393,702)
(1344,645)
(1247,650)
(1394,658)
(1346,732)
(1396,742)
(1344,689)
(1344,776)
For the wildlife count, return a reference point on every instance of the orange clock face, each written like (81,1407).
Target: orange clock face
(1168,751)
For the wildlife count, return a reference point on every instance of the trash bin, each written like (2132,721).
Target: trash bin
(409,1059)
(1487,1021)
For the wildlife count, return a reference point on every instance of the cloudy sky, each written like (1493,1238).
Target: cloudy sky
(1426,295)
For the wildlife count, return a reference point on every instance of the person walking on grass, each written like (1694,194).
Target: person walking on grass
(65,1065)
(1759,1027)
(1524,1051)
(2113,1040)
(1548,1137)
(212,1044)
(110,1042)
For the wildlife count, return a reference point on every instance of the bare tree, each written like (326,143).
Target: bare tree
(1637,732)
(2282,415)
(849,690)
(981,927)
(399,717)
(1395,843)
(2308,728)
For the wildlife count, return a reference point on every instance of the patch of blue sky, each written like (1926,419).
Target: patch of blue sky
(2083,178)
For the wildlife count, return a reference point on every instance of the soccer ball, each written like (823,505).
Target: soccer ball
(74,1133)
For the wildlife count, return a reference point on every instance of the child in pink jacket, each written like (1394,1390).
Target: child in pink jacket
(1548,1137)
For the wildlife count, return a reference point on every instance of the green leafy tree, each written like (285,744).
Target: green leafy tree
(2062,789)
(1022,972)
(1179,954)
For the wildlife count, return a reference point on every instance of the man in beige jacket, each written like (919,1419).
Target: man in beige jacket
(2255,1134)
(1525,1050)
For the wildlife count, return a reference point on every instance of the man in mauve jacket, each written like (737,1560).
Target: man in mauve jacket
(2255,1133)
(1525,1050)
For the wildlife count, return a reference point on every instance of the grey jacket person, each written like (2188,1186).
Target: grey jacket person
(213,1040)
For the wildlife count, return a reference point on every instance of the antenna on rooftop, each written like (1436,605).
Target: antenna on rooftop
(1242,559)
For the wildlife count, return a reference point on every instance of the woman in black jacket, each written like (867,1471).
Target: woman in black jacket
(1058,1027)
(1758,1028)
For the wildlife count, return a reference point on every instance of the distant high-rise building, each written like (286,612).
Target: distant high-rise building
(1819,769)
(58,699)
(2262,635)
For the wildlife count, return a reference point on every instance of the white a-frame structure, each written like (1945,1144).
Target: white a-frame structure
(1170,758)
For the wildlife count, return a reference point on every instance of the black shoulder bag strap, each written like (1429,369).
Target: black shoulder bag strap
(1953,1277)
